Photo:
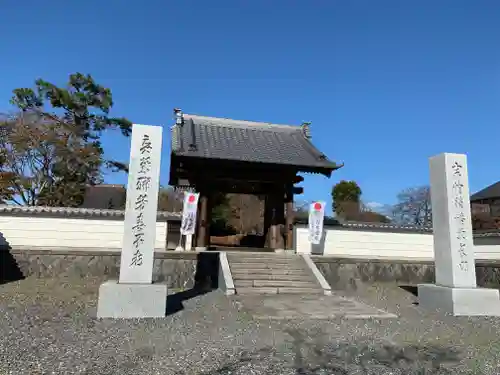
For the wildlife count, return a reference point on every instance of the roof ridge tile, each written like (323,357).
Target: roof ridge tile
(225,121)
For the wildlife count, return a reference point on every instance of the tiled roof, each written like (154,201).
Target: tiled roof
(492,191)
(75,212)
(220,138)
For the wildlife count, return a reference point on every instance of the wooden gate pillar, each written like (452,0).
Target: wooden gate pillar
(289,217)
(279,220)
(268,217)
(202,239)
(274,220)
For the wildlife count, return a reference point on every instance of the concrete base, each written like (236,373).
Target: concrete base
(460,301)
(119,300)
(225,281)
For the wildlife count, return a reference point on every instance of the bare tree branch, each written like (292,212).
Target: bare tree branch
(170,200)
(413,207)
(42,164)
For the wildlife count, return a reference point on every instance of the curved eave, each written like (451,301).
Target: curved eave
(326,171)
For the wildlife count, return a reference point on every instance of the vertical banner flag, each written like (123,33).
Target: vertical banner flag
(189,213)
(316,216)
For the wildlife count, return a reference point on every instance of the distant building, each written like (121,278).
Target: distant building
(487,201)
(105,196)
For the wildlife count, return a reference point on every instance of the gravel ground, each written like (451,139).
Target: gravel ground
(47,327)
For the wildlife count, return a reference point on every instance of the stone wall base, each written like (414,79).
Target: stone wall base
(349,274)
(176,270)
(185,270)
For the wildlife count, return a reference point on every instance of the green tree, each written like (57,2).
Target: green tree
(220,214)
(346,197)
(78,114)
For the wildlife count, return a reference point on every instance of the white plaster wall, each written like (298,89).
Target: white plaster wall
(487,247)
(487,252)
(33,232)
(372,245)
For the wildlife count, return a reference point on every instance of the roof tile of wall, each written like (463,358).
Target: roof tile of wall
(75,212)
(387,227)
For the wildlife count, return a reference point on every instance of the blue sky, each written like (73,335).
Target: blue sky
(386,84)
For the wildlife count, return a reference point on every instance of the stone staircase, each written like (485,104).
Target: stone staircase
(270,273)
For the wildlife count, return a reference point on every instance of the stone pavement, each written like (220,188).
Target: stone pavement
(308,307)
(48,326)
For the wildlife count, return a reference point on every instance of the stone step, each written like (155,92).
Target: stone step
(271,276)
(275,283)
(283,290)
(252,266)
(264,260)
(262,256)
(270,261)
(243,283)
(267,271)
(252,290)
(305,291)
(268,265)
(285,283)
(260,253)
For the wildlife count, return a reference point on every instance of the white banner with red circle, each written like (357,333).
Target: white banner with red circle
(189,210)
(316,217)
